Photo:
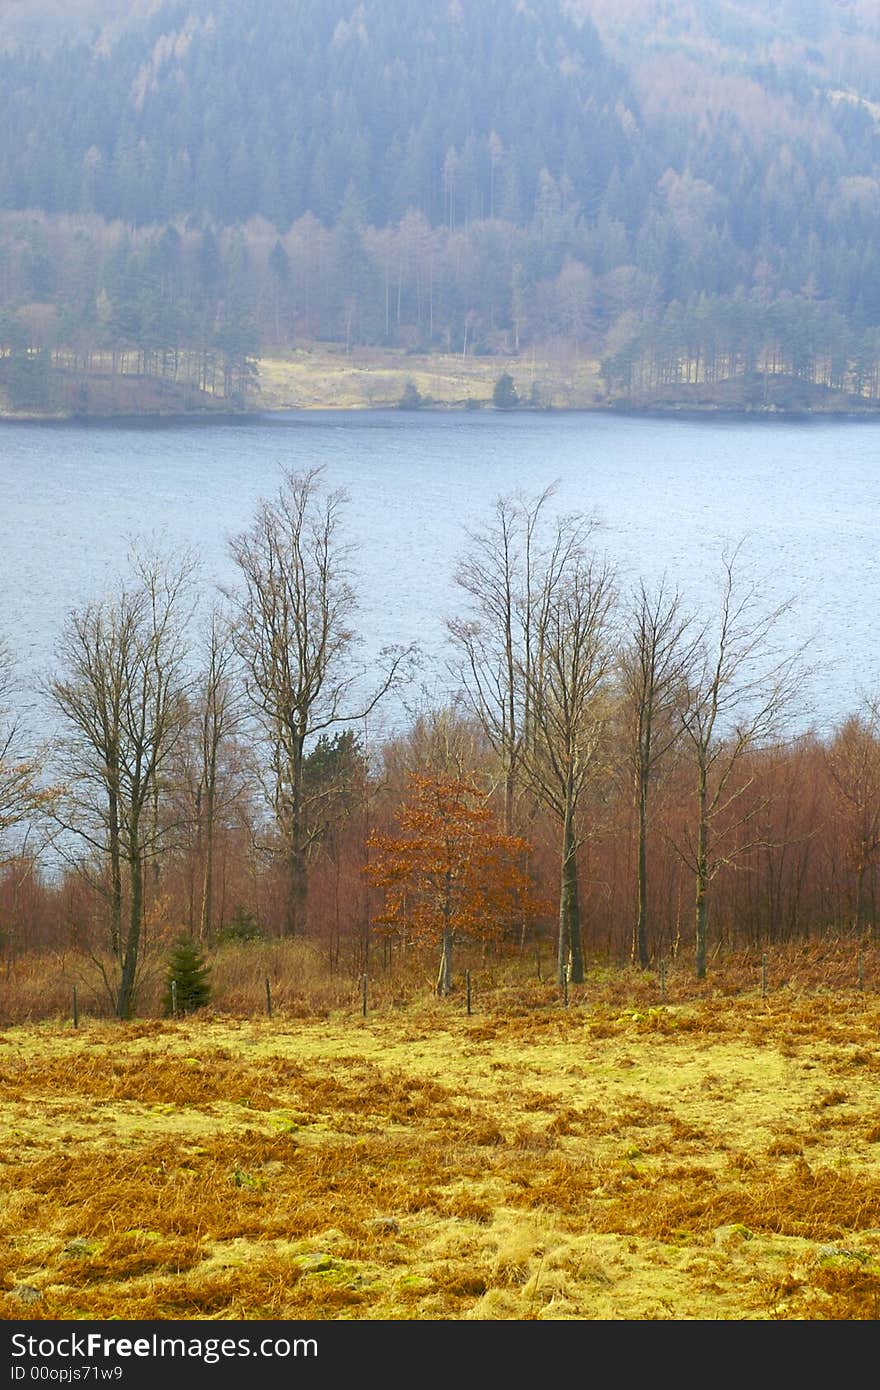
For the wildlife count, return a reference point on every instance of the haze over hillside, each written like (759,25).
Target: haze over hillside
(46,23)
(832,42)
(688,190)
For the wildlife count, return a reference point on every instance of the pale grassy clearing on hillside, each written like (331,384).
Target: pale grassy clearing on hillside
(328,378)
(718,1158)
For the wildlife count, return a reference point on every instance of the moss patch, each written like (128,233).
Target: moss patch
(711,1160)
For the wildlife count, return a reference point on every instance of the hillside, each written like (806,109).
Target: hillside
(687,192)
(832,42)
(45,24)
(227,111)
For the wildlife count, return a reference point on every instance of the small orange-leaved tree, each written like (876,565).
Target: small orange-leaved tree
(450,873)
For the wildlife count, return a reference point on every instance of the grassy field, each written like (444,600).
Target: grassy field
(326,377)
(712,1156)
(329,378)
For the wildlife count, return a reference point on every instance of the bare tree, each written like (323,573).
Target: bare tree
(212,776)
(122,697)
(740,688)
(853,761)
(494,642)
(22,797)
(294,636)
(536,663)
(568,690)
(440,741)
(25,802)
(656,661)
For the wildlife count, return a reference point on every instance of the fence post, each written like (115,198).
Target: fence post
(764,974)
(174,999)
(364,996)
(663,980)
(861,971)
(268,997)
(75,1009)
(467,977)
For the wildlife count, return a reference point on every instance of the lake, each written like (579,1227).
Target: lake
(669,494)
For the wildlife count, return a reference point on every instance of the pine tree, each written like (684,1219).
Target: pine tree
(411,398)
(505,395)
(242,926)
(188,984)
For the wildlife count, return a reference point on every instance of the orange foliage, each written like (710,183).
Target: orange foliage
(450,871)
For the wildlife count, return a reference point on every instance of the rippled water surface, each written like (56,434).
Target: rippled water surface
(668,494)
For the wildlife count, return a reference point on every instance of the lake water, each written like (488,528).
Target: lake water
(669,495)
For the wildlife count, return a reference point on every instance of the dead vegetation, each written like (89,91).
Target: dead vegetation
(320,377)
(711,1155)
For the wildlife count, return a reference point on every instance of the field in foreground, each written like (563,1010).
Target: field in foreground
(715,1157)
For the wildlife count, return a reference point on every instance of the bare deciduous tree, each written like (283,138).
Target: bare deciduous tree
(655,663)
(853,760)
(212,772)
(569,693)
(740,688)
(294,636)
(536,668)
(122,697)
(21,795)
(495,642)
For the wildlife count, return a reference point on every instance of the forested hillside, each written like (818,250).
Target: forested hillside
(278,109)
(689,192)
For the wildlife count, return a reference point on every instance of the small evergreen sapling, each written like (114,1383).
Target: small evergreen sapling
(188,984)
(242,926)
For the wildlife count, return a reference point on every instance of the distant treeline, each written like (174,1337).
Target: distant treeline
(717,338)
(465,177)
(227,111)
(193,308)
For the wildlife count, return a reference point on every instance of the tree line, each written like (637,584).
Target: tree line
(615,775)
(715,339)
(219,185)
(207,110)
(193,309)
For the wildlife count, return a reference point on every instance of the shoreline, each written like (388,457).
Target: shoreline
(280,414)
(322,378)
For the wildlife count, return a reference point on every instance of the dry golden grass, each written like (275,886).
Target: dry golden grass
(716,1155)
(324,377)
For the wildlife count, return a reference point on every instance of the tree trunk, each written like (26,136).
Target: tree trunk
(569,957)
(509,799)
(297,870)
(206,915)
(115,879)
(297,893)
(860,890)
(444,978)
(702,877)
(125,1001)
(640,936)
